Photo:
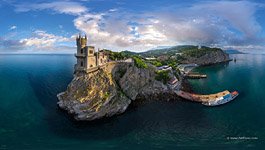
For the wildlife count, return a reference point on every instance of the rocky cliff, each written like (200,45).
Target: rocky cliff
(104,93)
(110,90)
(209,58)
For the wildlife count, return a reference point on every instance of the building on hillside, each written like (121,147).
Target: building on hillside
(87,57)
(164,68)
(173,82)
(150,58)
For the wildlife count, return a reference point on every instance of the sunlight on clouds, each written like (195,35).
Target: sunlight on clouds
(212,23)
(41,39)
(205,23)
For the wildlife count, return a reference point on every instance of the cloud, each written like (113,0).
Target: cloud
(208,23)
(211,23)
(64,7)
(10,45)
(113,10)
(12,27)
(241,15)
(111,30)
(40,41)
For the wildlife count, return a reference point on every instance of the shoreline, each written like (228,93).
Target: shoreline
(186,86)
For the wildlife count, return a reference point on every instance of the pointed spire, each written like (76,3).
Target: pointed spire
(85,37)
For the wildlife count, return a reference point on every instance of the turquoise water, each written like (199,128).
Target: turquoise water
(30,119)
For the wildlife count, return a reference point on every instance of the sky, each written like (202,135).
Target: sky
(40,26)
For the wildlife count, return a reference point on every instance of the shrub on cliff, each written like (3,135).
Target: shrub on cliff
(156,63)
(162,76)
(139,63)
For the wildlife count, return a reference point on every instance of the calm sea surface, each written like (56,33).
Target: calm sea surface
(30,119)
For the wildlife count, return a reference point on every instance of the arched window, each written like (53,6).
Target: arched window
(91,65)
(82,51)
(81,64)
(101,61)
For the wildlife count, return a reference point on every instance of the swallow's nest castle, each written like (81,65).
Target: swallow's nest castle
(87,58)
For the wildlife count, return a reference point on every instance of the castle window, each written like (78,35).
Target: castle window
(81,51)
(91,52)
(101,61)
(81,64)
(91,65)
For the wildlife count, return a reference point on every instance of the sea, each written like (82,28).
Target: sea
(31,119)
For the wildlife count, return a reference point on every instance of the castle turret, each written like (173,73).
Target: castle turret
(81,54)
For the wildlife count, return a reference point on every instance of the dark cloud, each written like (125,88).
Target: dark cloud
(10,45)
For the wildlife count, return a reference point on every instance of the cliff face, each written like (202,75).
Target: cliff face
(92,96)
(105,93)
(209,58)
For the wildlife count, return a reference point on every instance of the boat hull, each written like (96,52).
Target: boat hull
(221,102)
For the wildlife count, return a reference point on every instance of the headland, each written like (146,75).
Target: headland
(106,82)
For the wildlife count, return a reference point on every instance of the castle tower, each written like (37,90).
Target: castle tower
(81,54)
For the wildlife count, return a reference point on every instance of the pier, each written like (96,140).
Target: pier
(186,68)
(195,76)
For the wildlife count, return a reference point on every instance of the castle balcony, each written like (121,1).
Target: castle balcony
(80,55)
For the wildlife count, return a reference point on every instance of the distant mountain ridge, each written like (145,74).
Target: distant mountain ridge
(184,54)
(167,51)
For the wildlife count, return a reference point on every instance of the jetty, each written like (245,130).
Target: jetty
(195,76)
(186,68)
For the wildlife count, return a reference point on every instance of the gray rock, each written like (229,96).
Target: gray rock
(104,93)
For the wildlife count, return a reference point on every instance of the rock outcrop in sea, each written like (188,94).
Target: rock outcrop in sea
(104,93)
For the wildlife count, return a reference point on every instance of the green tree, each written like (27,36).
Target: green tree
(139,62)
(162,76)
